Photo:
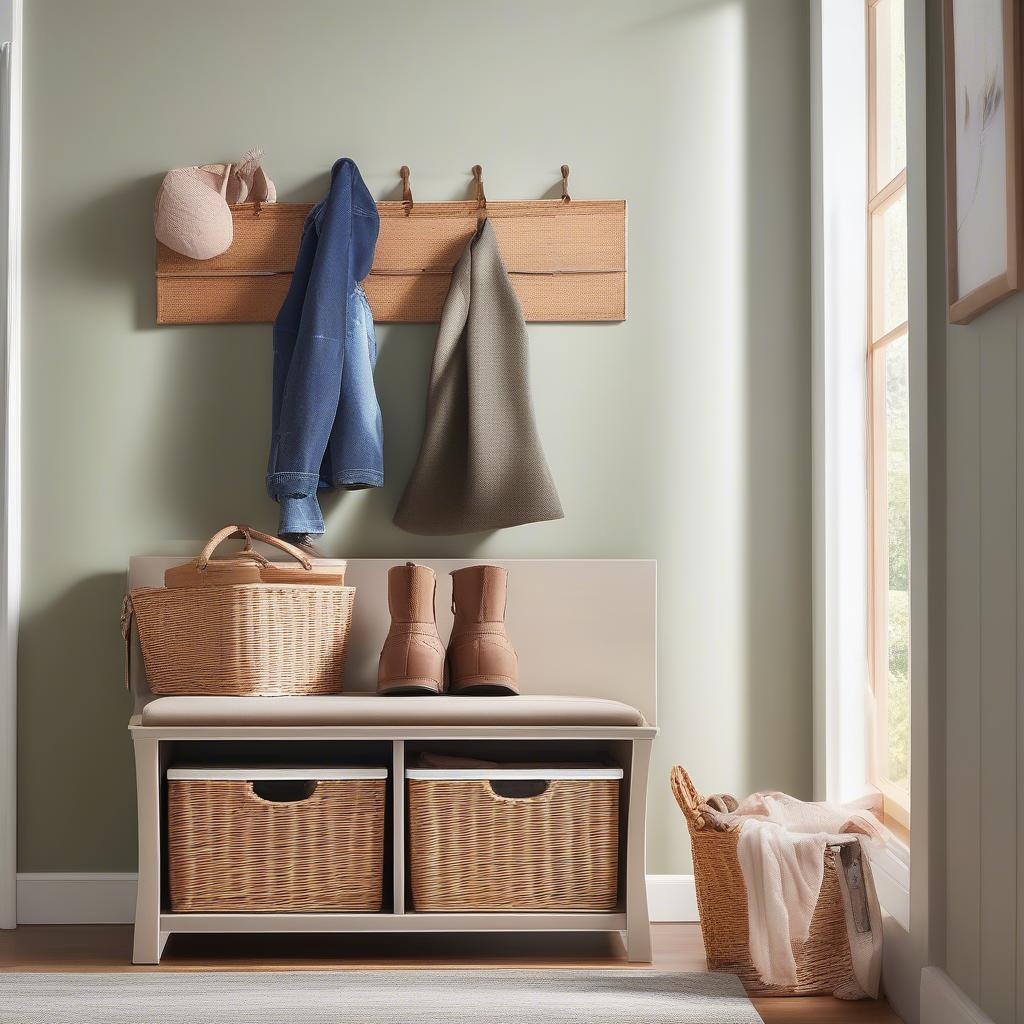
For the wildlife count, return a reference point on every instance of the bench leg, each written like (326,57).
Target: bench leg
(638,924)
(149,940)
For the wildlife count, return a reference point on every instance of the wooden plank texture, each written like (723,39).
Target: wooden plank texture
(1019,972)
(963,658)
(567,262)
(998,533)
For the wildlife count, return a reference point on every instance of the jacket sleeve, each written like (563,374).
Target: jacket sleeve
(308,373)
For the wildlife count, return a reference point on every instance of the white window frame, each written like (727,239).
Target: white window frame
(10,445)
(880,194)
(839,446)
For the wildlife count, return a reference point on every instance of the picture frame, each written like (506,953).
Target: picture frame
(983,157)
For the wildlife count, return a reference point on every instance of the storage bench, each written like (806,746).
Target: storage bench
(588,700)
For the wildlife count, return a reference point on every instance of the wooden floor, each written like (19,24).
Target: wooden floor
(677,947)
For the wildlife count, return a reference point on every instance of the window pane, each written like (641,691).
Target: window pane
(889,266)
(890,93)
(897,473)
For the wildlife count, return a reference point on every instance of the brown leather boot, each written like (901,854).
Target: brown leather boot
(412,660)
(481,658)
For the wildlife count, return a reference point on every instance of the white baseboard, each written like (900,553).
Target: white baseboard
(74,898)
(671,898)
(69,898)
(891,871)
(942,1002)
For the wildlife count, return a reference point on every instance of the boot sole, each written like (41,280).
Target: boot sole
(485,688)
(410,689)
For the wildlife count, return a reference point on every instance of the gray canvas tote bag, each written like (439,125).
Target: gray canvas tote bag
(481,465)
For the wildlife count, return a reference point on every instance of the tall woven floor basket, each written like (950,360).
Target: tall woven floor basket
(823,961)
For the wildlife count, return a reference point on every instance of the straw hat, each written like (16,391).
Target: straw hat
(192,215)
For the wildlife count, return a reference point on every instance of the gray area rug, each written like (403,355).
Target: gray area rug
(376,997)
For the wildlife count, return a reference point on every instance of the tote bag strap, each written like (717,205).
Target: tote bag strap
(248,534)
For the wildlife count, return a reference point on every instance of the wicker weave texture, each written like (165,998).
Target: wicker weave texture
(567,262)
(246,640)
(220,300)
(823,961)
(472,850)
(230,850)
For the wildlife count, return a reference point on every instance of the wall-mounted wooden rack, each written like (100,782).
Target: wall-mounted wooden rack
(566,259)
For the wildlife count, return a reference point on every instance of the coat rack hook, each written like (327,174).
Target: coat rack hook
(403,173)
(565,183)
(481,199)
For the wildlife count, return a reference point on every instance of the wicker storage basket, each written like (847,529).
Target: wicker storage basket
(473,849)
(258,639)
(823,961)
(233,849)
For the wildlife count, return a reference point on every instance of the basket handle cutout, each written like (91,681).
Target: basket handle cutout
(519,789)
(283,791)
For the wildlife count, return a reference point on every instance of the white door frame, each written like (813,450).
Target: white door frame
(10,445)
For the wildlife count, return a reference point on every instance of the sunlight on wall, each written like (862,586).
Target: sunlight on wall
(705,389)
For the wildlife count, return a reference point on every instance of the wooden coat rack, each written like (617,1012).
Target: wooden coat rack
(566,259)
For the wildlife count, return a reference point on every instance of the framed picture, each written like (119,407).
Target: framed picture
(983,194)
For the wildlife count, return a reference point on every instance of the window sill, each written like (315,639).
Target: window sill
(899,831)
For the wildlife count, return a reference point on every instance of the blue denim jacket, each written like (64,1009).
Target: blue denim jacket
(327,429)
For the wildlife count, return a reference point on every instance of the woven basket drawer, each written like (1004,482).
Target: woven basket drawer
(278,840)
(473,849)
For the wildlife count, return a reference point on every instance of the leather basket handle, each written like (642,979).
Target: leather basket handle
(248,534)
(127,614)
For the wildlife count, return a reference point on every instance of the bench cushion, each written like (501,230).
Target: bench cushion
(369,709)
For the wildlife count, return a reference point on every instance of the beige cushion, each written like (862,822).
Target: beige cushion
(369,709)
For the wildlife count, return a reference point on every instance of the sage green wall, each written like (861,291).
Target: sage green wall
(681,435)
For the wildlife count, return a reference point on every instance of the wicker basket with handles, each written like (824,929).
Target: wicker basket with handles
(823,961)
(279,840)
(242,639)
(477,842)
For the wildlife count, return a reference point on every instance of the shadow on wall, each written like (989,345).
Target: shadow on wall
(202,431)
(120,218)
(360,522)
(202,392)
(778,451)
(123,219)
(77,636)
